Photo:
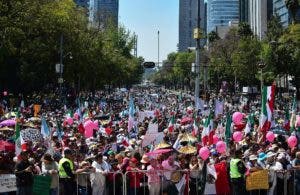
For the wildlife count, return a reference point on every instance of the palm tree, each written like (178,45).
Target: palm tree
(293,6)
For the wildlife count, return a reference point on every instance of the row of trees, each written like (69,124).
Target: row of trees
(30,36)
(237,55)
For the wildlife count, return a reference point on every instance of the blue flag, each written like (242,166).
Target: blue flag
(44,128)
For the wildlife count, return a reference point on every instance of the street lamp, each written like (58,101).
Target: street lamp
(261,65)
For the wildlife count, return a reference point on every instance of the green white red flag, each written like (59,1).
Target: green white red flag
(268,96)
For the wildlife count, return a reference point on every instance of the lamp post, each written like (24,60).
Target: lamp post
(197,36)
(261,65)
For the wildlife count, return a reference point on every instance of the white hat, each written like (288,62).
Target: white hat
(252,157)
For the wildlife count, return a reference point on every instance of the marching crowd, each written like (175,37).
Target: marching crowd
(149,141)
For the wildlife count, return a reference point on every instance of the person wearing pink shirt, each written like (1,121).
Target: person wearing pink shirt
(153,173)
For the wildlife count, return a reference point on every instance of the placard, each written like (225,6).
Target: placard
(41,185)
(152,128)
(152,139)
(257,180)
(7,183)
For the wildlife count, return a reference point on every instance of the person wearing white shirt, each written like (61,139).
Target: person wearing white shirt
(98,178)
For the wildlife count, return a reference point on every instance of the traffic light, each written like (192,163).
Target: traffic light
(149,64)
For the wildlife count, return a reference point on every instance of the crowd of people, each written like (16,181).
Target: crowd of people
(147,141)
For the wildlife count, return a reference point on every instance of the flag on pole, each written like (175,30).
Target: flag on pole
(207,132)
(293,116)
(45,129)
(195,129)
(20,144)
(171,125)
(250,122)
(268,96)
(228,128)
(131,114)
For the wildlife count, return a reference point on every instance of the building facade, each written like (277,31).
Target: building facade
(280,9)
(103,12)
(221,12)
(244,11)
(82,3)
(258,17)
(188,13)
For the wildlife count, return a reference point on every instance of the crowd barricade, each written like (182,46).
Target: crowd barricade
(283,182)
(113,183)
(169,182)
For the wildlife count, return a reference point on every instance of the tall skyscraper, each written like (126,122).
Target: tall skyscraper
(188,13)
(221,12)
(102,12)
(281,10)
(258,17)
(244,10)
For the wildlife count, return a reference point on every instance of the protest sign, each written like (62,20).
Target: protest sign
(31,135)
(257,180)
(7,183)
(41,185)
(152,139)
(152,128)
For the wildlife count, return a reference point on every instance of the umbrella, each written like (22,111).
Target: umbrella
(6,129)
(158,152)
(8,123)
(187,150)
(10,114)
(6,146)
(31,125)
(186,120)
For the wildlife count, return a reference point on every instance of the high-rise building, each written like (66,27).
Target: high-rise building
(280,9)
(188,15)
(82,3)
(102,12)
(244,10)
(221,12)
(258,17)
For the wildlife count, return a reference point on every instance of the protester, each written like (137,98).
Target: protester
(24,175)
(66,173)
(237,174)
(103,136)
(50,168)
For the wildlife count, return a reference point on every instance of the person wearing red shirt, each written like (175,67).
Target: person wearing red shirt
(134,176)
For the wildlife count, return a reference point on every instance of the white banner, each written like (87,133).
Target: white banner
(7,183)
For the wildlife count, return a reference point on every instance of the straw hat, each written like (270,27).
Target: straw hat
(162,145)
(187,150)
(187,137)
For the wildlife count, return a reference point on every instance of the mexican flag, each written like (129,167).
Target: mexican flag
(207,132)
(195,129)
(250,122)
(20,144)
(171,124)
(293,116)
(268,96)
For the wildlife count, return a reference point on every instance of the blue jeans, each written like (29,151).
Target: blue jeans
(24,190)
(53,191)
(82,190)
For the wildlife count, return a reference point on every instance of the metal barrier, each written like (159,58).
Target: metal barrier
(168,182)
(84,185)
